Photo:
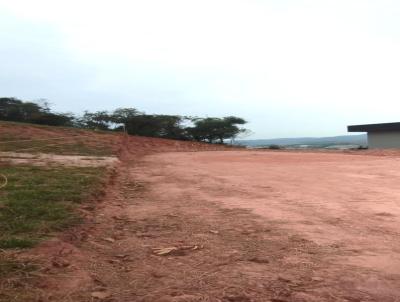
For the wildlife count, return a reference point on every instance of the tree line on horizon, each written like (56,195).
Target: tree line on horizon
(131,120)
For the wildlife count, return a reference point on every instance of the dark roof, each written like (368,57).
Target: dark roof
(374,127)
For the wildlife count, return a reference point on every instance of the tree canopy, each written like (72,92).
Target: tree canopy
(214,129)
(12,109)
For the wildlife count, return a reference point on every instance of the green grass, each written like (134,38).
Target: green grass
(9,243)
(39,201)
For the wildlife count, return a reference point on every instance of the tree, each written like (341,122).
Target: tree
(123,115)
(214,129)
(171,126)
(165,126)
(53,119)
(12,109)
(99,120)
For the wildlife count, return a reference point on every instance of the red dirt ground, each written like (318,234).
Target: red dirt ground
(337,216)
(234,226)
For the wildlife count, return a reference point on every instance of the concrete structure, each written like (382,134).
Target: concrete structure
(380,136)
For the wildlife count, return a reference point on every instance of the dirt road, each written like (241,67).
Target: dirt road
(240,226)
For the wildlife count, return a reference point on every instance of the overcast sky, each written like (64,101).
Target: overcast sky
(291,68)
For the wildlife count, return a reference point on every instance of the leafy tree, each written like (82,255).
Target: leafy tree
(165,126)
(52,119)
(99,120)
(123,115)
(214,129)
(12,109)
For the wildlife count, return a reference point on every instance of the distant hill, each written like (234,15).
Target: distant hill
(308,141)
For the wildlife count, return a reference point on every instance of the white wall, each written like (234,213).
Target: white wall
(384,140)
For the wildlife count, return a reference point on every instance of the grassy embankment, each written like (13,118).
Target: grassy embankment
(37,202)
(41,200)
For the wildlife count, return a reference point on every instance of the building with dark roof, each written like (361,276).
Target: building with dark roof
(380,136)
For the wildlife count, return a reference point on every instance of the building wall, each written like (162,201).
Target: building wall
(384,140)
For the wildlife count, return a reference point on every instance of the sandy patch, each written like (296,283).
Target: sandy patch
(42,159)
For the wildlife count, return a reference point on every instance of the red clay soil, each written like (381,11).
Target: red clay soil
(233,226)
(116,141)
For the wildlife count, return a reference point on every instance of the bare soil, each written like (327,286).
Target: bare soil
(232,226)
(42,159)
(337,216)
